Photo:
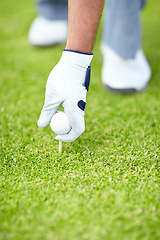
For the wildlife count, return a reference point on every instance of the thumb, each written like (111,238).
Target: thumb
(46,114)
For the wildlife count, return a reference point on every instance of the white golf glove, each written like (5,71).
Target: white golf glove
(67,85)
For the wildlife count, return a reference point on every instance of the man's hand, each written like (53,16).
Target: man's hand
(67,85)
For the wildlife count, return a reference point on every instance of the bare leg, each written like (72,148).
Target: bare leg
(83,21)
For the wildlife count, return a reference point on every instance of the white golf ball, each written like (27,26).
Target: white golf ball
(60,124)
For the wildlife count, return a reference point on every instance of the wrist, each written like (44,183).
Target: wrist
(75,51)
(78,58)
(79,48)
(84,50)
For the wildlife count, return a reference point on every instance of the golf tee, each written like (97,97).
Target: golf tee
(60,146)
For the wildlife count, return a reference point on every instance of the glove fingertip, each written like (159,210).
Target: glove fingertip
(69,137)
(45,118)
(64,138)
(59,138)
(41,123)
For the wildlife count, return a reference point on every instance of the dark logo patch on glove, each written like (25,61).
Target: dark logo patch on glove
(81,104)
(87,78)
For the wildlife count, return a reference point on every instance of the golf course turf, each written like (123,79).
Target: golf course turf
(103,186)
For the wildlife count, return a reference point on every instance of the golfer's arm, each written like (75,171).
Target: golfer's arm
(83,20)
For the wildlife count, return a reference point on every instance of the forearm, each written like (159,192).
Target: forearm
(83,21)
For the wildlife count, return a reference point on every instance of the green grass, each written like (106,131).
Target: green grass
(106,184)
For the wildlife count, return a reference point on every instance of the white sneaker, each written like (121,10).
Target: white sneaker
(44,32)
(124,75)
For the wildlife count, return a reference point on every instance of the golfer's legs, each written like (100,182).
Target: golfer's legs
(52,9)
(122,26)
